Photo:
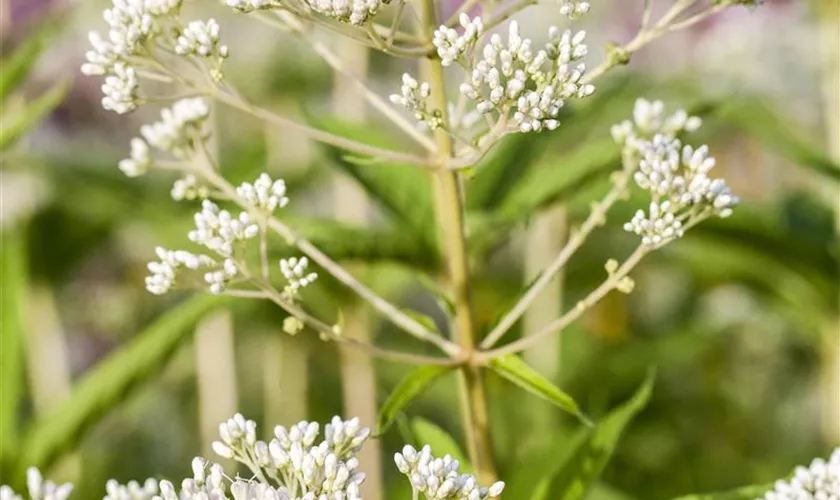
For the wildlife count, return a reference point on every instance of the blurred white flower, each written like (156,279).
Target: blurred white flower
(451,46)
(440,478)
(294,270)
(264,193)
(818,481)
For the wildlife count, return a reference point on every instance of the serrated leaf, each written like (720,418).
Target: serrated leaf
(592,455)
(13,283)
(110,382)
(16,126)
(411,386)
(441,442)
(404,191)
(514,369)
(18,65)
(744,493)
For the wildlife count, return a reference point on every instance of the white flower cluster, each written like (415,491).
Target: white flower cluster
(164,272)
(451,46)
(219,231)
(414,97)
(818,481)
(176,133)
(189,188)
(131,491)
(294,270)
(132,24)
(215,229)
(38,488)
(676,176)
(246,6)
(440,478)
(264,193)
(511,77)
(573,9)
(355,12)
(304,469)
(201,38)
(649,120)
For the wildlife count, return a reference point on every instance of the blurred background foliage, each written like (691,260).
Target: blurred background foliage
(100,379)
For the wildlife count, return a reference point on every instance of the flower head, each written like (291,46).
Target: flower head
(440,478)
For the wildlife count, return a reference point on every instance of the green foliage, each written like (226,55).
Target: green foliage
(776,132)
(531,479)
(404,191)
(15,126)
(441,442)
(512,368)
(500,170)
(110,382)
(343,241)
(592,454)
(19,63)
(411,386)
(745,493)
(13,283)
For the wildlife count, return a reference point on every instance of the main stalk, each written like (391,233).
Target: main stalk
(450,215)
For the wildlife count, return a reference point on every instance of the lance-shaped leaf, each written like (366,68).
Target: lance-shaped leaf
(441,442)
(592,454)
(13,283)
(109,383)
(775,131)
(512,368)
(20,62)
(16,126)
(404,393)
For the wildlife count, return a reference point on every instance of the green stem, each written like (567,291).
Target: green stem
(450,213)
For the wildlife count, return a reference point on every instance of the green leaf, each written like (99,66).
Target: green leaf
(441,442)
(404,393)
(745,493)
(18,65)
(16,126)
(110,382)
(591,456)
(498,172)
(423,319)
(13,283)
(516,158)
(342,241)
(512,368)
(532,478)
(775,131)
(404,191)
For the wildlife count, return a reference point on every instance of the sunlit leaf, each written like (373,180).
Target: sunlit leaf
(13,282)
(109,383)
(512,368)
(406,391)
